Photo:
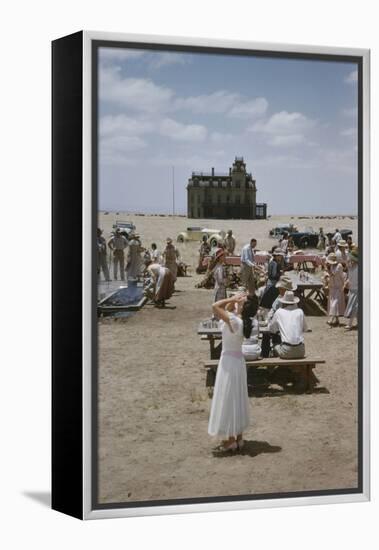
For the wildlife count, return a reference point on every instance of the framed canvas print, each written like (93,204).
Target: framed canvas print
(210,275)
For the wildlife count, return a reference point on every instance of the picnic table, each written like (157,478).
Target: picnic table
(210,331)
(308,288)
(302,260)
(235,261)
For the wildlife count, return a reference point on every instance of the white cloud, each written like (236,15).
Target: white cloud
(284,129)
(250,109)
(220,137)
(124,125)
(286,141)
(135,93)
(352,77)
(284,123)
(223,102)
(182,132)
(165,59)
(215,103)
(349,132)
(115,149)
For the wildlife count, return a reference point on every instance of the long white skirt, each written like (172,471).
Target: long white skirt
(230,405)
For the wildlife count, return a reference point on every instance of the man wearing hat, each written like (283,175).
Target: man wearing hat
(336,237)
(248,265)
(341,252)
(117,244)
(285,283)
(289,321)
(274,270)
(102,255)
(351,311)
(230,243)
(321,239)
(170,257)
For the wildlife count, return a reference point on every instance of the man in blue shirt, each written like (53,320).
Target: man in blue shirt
(247,267)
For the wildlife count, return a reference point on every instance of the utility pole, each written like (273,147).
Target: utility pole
(173,190)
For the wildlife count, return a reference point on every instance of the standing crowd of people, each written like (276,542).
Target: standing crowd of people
(285,320)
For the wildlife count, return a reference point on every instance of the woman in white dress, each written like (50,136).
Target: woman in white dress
(230,404)
(335,279)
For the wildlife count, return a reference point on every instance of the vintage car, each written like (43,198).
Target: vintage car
(308,238)
(214,236)
(125,227)
(282,228)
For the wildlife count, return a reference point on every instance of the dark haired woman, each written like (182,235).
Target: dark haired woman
(250,347)
(230,404)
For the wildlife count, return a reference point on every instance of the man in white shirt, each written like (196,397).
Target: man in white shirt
(337,237)
(290,321)
(247,267)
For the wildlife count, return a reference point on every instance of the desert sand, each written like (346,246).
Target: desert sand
(154,404)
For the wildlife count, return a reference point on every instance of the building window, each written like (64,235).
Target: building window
(238,199)
(227,198)
(198,212)
(219,183)
(238,183)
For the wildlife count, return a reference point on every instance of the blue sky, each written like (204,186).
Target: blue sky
(294,122)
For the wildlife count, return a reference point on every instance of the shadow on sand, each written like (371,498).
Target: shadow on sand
(250,448)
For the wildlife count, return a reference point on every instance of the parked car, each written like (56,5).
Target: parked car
(215,236)
(125,227)
(282,228)
(308,238)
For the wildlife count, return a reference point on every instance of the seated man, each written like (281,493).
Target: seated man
(290,321)
(285,283)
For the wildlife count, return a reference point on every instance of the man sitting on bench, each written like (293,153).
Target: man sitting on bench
(290,321)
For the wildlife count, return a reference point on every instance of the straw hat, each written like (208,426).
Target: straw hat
(288,298)
(342,243)
(286,283)
(332,259)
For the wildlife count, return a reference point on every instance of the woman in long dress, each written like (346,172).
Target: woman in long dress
(335,279)
(219,276)
(163,281)
(134,262)
(229,415)
(351,312)
(171,255)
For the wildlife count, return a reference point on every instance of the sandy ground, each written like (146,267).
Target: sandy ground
(154,405)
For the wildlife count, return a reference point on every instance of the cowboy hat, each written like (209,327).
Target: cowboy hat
(288,298)
(278,252)
(286,282)
(332,259)
(342,243)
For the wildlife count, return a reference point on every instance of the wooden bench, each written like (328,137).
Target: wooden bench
(304,367)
